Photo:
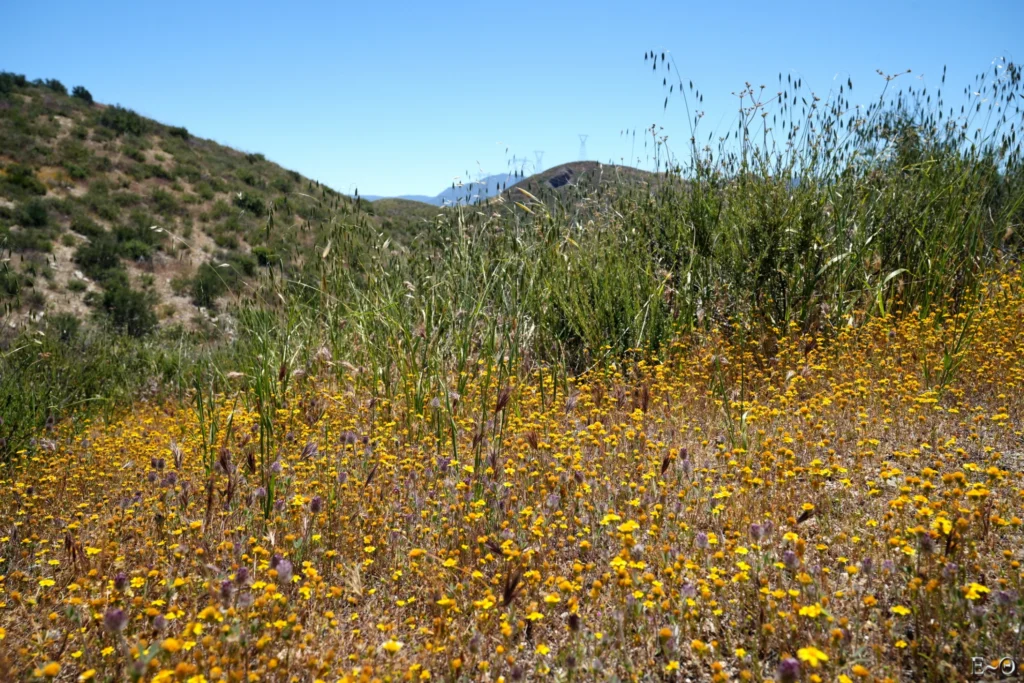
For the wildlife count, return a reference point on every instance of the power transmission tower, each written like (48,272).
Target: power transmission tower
(583,146)
(539,154)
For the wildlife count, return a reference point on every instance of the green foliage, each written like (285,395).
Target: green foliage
(251,203)
(178,132)
(34,214)
(99,257)
(165,203)
(68,373)
(24,177)
(128,310)
(54,85)
(123,121)
(208,285)
(81,93)
(264,256)
(9,81)
(65,326)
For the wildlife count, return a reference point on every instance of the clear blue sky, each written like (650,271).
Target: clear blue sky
(400,98)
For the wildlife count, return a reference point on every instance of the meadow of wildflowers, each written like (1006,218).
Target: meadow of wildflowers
(820,511)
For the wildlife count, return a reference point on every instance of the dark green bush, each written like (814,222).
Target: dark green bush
(81,93)
(188,171)
(128,310)
(207,285)
(54,85)
(165,203)
(34,214)
(178,132)
(264,256)
(9,81)
(99,257)
(64,325)
(24,177)
(136,250)
(10,283)
(123,121)
(251,203)
(248,177)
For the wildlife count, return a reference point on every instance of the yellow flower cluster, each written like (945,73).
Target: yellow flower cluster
(822,507)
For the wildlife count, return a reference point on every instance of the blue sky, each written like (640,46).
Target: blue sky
(401,98)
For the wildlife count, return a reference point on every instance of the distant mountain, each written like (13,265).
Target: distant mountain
(490,186)
(581,179)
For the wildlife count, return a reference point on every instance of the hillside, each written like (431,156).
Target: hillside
(579,179)
(105,211)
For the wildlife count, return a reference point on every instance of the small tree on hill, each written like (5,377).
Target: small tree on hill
(81,93)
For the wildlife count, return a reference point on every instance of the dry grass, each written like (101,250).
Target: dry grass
(797,508)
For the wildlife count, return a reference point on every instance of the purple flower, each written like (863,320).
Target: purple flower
(790,560)
(120,581)
(284,571)
(316,505)
(926,543)
(1006,599)
(756,532)
(702,540)
(789,670)
(115,620)
(160,623)
(242,576)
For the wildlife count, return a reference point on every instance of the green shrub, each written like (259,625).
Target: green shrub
(64,325)
(81,93)
(34,214)
(251,203)
(207,285)
(86,226)
(165,203)
(133,152)
(76,285)
(136,250)
(264,256)
(226,240)
(248,177)
(24,177)
(10,81)
(10,283)
(35,300)
(123,121)
(54,85)
(188,171)
(128,310)
(99,257)
(178,132)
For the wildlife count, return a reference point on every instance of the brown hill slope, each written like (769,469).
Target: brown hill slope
(104,210)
